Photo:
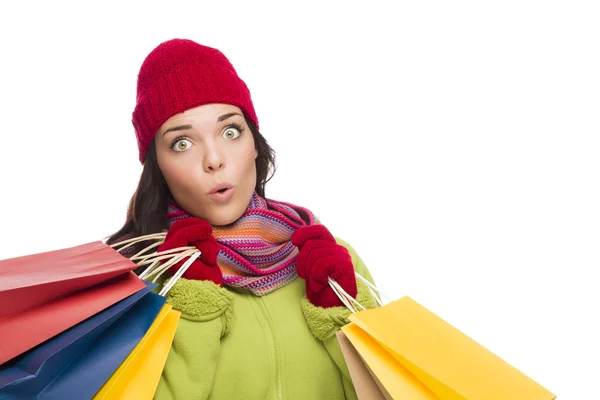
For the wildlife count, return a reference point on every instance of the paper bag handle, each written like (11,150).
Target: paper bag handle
(349,301)
(154,259)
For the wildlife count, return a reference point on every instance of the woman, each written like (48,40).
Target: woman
(258,317)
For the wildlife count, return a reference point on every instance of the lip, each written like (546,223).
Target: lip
(220,186)
(219,197)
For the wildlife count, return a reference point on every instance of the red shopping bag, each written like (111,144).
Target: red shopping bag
(35,279)
(44,294)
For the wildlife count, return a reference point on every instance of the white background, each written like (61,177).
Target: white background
(453,144)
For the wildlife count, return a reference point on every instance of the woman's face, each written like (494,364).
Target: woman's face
(205,149)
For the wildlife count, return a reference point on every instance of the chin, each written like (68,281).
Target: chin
(225,217)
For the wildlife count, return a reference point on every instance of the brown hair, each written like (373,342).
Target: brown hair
(147,211)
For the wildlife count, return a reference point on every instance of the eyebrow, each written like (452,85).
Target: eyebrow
(225,116)
(177,128)
(189,126)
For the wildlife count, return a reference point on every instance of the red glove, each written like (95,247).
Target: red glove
(321,257)
(195,232)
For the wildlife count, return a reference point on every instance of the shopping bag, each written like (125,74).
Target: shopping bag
(21,332)
(137,378)
(45,294)
(413,353)
(374,372)
(33,280)
(29,373)
(365,382)
(112,342)
(86,374)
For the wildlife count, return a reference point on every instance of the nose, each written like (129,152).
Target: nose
(213,160)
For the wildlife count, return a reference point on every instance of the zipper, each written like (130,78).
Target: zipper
(277,360)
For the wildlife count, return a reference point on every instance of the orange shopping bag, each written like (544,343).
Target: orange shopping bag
(411,353)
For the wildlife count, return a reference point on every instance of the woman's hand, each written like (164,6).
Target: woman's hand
(321,257)
(195,232)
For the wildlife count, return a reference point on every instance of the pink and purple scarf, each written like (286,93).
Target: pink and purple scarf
(256,251)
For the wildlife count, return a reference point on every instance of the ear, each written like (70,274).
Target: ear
(256,154)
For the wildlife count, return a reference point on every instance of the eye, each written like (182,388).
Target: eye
(180,144)
(233,131)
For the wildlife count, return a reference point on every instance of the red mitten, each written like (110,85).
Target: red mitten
(321,257)
(195,232)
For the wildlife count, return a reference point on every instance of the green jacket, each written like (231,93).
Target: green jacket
(235,345)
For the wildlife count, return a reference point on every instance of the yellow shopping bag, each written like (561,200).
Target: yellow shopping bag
(138,376)
(414,354)
(373,370)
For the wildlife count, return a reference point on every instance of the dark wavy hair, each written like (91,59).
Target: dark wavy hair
(147,211)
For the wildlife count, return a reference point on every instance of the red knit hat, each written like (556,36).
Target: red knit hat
(180,74)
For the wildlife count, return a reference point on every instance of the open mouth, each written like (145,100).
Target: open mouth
(222,192)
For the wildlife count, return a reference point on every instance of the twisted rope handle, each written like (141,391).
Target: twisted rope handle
(179,273)
(156,269)
(351,302)
(131,241)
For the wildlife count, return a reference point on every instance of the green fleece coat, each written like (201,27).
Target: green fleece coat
(231,344)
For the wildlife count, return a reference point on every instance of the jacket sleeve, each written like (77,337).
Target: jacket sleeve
(325,322)
(206,316)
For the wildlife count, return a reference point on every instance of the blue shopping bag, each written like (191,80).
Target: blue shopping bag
(76,363)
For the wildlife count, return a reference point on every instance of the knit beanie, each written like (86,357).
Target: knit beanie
(180,74)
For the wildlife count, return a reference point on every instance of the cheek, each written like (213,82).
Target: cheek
(172,176)
(176,175)
(243,167)
(166,167)
(246,157)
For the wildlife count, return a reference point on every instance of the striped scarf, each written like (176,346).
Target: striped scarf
(256,251)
